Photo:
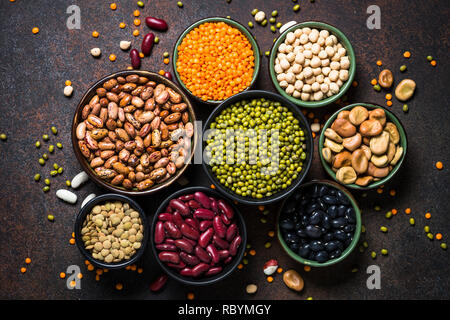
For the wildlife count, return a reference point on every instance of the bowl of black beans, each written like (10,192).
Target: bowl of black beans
(319,224)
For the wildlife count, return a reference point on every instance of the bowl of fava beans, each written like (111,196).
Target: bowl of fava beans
(362,146)
(198,237)
(312,64)
(257,147)
(133,132)
(319,224)
(216,58)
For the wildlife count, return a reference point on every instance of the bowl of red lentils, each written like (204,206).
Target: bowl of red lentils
(216,58)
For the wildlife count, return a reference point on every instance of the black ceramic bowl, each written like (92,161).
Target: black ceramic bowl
(87,209)
(248,95)
(229,268)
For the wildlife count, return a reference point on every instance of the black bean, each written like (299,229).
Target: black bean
(305,220)
(329,199)
(313,231)
(340,235)
(302,233)
(340,245)
(298,225)
(294,246)
(322,256)
(350,214)
(332,212)
(316,191)
(335,254)
(338,223)
(323,191)
(326,222)
(286,225)
(349,228)
(316,245)
(304,251)
(331,246)
(289,208)
(322,205)
(328,236)
(342,198)
(291,237)
(312,207)
(341,210)
(316,217)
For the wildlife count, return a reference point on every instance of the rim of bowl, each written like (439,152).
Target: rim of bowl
(233,23)
(308,141)
(347,250)
(77,116)
(345,43)
(229,268)
(403,142)
(82,216)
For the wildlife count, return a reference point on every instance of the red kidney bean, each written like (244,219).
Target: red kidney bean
(189,259)
(227,260)
(192,222)
(226,209)
(169,209)
(147,43)
(194,204)
(214,206)
(186,197)
(168,75)
(220,243)
(187,272)
(178,266)
(219,227)
(203,199)
(159,232)
(184,245)
(156,24)
(165,217)
(158,283)
(234,245)
(211,249)
(177,219)
(189,232)
(135,59)
(223,254)
(169,241)
(202,254)
(172,230)
(200,269)
(169,256)
(205,237)
(202,213)
(193,242)
(225,219)
(205,224)
(213,271)
(231,232)
(166,247)
(180,206)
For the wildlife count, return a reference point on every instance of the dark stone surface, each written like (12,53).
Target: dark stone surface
(32,74)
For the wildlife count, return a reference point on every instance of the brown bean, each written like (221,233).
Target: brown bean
(156,138)
(117,180)
(146,117)
(343,127)
(95,121)
(104,173)
(127,184)
(128,87)
(352,143)
(133,78)
(106,154)
(150,104)
(370,128)
(122,134)
(96,162)
(377,172)
(146,93)
(101,92)
(106,145)
(157,174)
(81,130)
(137,102)
(130,118)
(364,181)
(173,117)
(378,114)
(109,163)
(359,161)
(143,185)
(386,78)
(344,114)
(94,100)
(111,83)
(357,115)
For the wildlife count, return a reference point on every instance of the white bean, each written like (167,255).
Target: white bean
(287,25)
(125,45)
(96,52)
(68,90)
(66,196)
(79,179)
(87,199)
(260,16)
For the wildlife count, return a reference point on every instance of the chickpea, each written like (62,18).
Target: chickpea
(334,75)
(325,62)
(314,35)
(297,68)
(315,86)
(304,38)
(307,88)
(326,71)
(290,89)
(317,71)
(316,62)
(298,85)
(290,57)
(282,48)
(300,76)
(324,33)
(278,68)
(305,96)
(289,48)
(283,84)
(296,94)
(318,95)
(334,88)
(281,77)
(345,63)
(308,54)
(310,80)
(320,78)
(284,63)
(321,41)
(324,87)
(315,48)
(290,77)
(322,54)
(290,37)
(298,33)
(308,72)
(335,65)
(299,58)
(306,30)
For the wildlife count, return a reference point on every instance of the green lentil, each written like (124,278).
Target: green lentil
(263,220)
(50,217)
(250,24)
(264,22)
(412,221)
(51,148)
(156,40)
(388,215)
(38,144)
(405,108)
(41,161)
(373,254)
(254,11)
(429,58)
(54,130)
(272,20)
(59,145)
(402,68)
(279,25)
(45,156)
(180,4)
(377,87)
(46,189)
(248,246)
(166,54)
(363,229)
(53,173)
(426,229)
(267,245)
(273,29)
(354,270)
(45,137)
(361,249)
(3,136)
(430,236)
(383,229)
(68,183)
(296,8)
(274,13)
(265,212)
(47,181)
(365,244)
(444,245)
(37,177)
(60,170)
(384,252)
(245,261)
(377,208)
(55,166)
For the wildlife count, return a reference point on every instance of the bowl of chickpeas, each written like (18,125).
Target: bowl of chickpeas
(216,58)
(312,64)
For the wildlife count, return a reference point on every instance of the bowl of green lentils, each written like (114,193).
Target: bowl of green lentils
(257,147)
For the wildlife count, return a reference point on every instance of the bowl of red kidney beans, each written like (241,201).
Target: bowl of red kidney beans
(319,224)
(198,237)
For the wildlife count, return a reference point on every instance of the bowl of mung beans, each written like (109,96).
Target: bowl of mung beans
(312,64)
(216,58)
(111,231)
(257,147)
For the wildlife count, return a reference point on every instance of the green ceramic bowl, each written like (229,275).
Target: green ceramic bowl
(235,24)
(345,43)
(356,235)
(390,117)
